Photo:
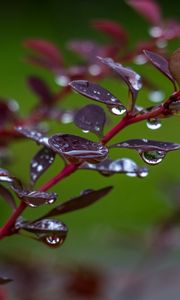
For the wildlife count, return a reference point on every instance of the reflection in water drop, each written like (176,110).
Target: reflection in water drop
(156,96)
(118,110)
(53,241)
(153,123)
(153,157)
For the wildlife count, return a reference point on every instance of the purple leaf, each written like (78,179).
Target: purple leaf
(35,135)
(76,149)
(7,196)
(110,167)
(152,152)
(160,63)
(91,118)
(86,49)
(131,78)
(149,9)
(40,88)
(4,280)
(36,198)
(174,65)
(47,50)
(51,232)
(111,28)
(96,92)
(83,200)
(41,162)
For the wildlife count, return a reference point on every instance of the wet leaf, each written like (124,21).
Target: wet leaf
(149,9)
(95,92)
(40,88)
(36,198)
(47,50)
(91,118)
(76,149)
(33,134)
(131,78)
(174,65)
(7,196)
(83,200)
(110,167)
(152,152)
(160,63)
(4,280)
(111,28)
(40,163)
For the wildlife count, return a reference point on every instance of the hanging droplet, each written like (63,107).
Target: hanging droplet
(143,173)
(118,110)
(153,123)
(156,96)
(54,241)
(153,157)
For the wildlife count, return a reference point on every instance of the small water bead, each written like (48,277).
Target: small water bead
(118,110)
(143,173)
(156,96)
(94,70)
(136,82)
(161,44)
(85,131)
(155,32)
(54,241)
(140,59)
(67,117)
(153,124)
(153,157)
(62,80)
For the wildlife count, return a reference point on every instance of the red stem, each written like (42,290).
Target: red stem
(70,168)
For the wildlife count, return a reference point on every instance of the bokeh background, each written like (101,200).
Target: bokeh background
(108,234)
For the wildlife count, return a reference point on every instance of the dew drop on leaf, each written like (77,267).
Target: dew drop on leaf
(153,124)
(153,157)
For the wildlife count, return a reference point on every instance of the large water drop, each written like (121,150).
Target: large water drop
(153,157)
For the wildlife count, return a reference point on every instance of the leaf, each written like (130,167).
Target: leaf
(40,88)
(152,152)
(7,114)
(131,78)
(33,134)
(40,163)
(160,63)
(95,92)
(7,196)
(111,28)
(49,52)
(86,49)
(36,198)
(91,118)
(110,167)
(174,65)
(149,9)
(83,200)
(76,149)
(4,280)
(51,232)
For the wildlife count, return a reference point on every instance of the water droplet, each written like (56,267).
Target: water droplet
(13,105)
(118,110)
(94,70)
(67,117)
(51,201)
(155,31)
(54,241)
(153,157)
(85,131)
(136,82)
(39,168)
(153,123)
(62,80)
(156,96)
(143,172)
(161,44)
(140,59)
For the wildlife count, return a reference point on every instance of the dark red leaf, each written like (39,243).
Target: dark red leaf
(110,167)
(7,196)
(40,163)
(174,65)
(45,49)
(36,198)
(149,9)
(95,92)
(87,49)
(40,88)
(76,149)
(33,134)
(91,118)
(131,78)
(160,63)
(111,28)
(85,199)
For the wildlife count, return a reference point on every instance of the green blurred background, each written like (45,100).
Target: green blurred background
(134,204)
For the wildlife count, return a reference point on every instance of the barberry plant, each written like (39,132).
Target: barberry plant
(77,152)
